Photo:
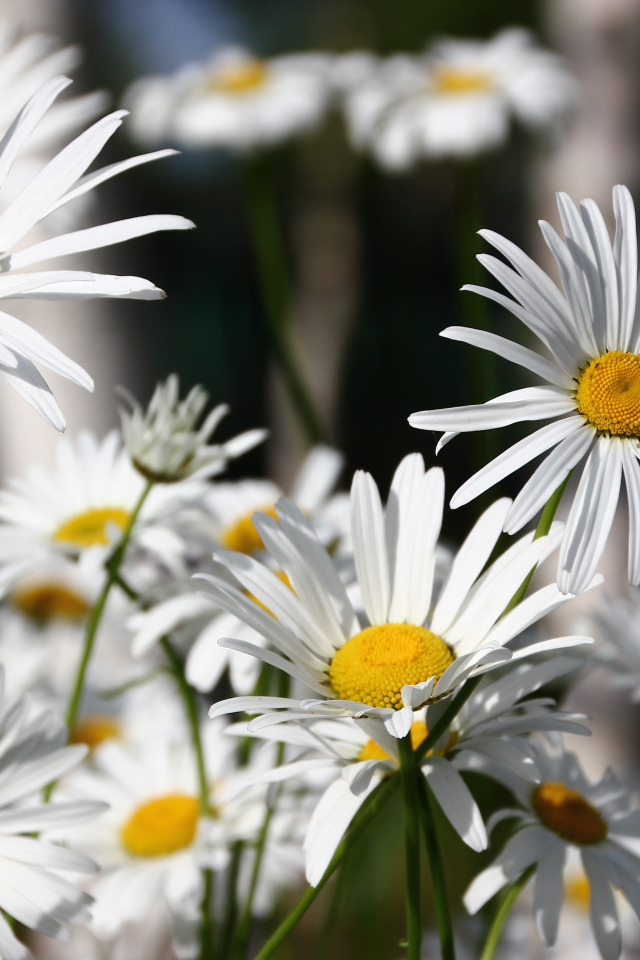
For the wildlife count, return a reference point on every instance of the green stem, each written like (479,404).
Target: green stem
(368,812)
(113,568)
(193,718)
(408,771)
(501,914)
(441,903)
(544,525)
(273,276)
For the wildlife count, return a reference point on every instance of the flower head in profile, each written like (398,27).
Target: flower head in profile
(590,365)
(488,736)
(165,442)
(455,100)
(234,100)
(566,812)
(53,185)
(401,650)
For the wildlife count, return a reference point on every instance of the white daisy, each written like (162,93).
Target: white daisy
(486,737)
(615,623)
(401,651)
(154,841)
(563,812)
(231,508)
(84,504)
(591,366)
(457,99)
(235,100)
(164,441)
(56,184)
(34,888)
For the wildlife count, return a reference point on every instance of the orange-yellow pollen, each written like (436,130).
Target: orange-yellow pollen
(94,730)
(49,601)
(161,826)
(460,80)
(239,77)
(578,891)
(89,529)
(242,535)
(608,393)
(373,750)
(567,813)
(374,665)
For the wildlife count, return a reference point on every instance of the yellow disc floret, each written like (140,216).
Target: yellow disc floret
(373,750)
(161,826)
(89,529)
(239,77)
(608,393)
(94,730)
(242,535)
(374,665)
(568,813)
(49,601)
(461,80)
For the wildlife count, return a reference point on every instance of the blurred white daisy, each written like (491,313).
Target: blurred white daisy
(456,100)
(84,504)
(402,651)
(234,100)
(58,182)
(154,841)
(231,508)
(565,812)
(165,442)
(615,623)
(35,885)
(591,337)
(487,737)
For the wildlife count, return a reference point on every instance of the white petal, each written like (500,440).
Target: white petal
(631,469)
(626,255)
(456,802)
(514,352)
(548,893)
(530,403)
(602,909)
(369,546)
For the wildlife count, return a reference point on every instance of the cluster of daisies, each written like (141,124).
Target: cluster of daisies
(340,647)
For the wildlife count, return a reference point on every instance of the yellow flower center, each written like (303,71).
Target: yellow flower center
(578,891)
(49,601)
(242,536)
(373,750)
(239,77)
(374,665)
(161,826)
(89,529)
(460,80)
(94,730)
(608,393)
(567,813)
(281,575)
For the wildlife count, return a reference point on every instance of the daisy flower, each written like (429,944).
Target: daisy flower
(487,737)
(401,651)
(154,841)
(164,442)
(456,100)
(565,812)
(57,183)
(234,100)
(84,504)
(34,888)
(590,364)
(231,508)
(615,623)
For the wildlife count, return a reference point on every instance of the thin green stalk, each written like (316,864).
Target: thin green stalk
(411,807)
(113,568)
(544,525)
(274,284)
(193,718)
(501,914)
(441,903)
(368,812)
(244,926)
